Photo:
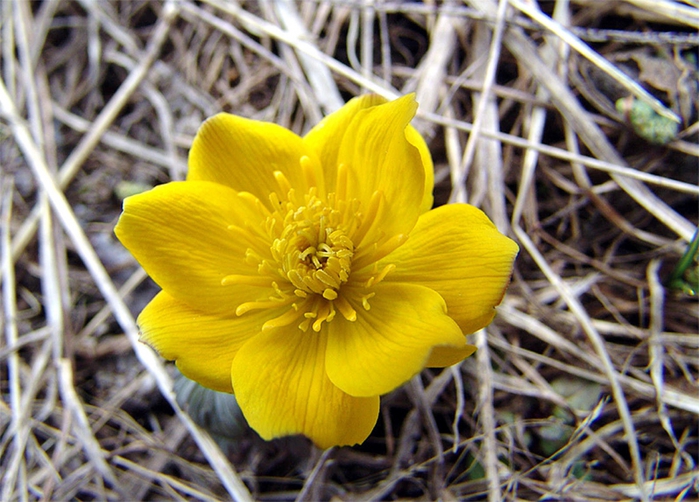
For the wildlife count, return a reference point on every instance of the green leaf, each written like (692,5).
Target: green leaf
(685,276)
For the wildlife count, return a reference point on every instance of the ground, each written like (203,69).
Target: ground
(571,124)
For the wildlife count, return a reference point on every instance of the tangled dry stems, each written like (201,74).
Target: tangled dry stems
(584,388)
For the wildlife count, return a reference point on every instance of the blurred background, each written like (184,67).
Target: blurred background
(572,123)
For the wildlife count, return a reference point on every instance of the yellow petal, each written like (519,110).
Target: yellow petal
(416,139)
(379,157)
(179,233)
(326,136)
(243,154)
(282,388)
(457,251)
(441,357)
(390,343)
(371,139)
(202,345)
(325,139)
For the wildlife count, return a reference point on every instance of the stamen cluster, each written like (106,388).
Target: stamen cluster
(312,243)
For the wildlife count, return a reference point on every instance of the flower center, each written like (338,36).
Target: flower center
(313,250)
(306,249)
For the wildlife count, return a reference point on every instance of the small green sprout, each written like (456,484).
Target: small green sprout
(685,275)
(646,122)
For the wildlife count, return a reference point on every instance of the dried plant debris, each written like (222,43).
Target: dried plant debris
(585,386)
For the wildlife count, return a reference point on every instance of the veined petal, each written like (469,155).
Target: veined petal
(390,343)
(281,385)
(179,233)
(202,345)
(379,158)
(243,154)
(325,137)
(458,252)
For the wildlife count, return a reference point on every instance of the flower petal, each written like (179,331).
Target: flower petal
(390,343)
(179,233)
(368,138)
(457,251)
(325,139)
(243,154)
(203,345)
(441,357)
(281,385)
(379,157)
(416,139)
(326,136)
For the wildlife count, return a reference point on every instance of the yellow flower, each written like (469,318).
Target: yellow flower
(308,274)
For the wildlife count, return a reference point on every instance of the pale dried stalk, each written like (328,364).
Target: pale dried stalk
(102,279)
(559,153)
(486,413)
(598,343)
(318,76)
(655,346)
(585,51)
(682,14)
(670,397)
(429,77)
(81,425)
(99,126)
(17,468)
(255,24)
(120,310)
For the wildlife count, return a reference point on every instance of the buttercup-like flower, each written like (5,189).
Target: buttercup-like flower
(308,274)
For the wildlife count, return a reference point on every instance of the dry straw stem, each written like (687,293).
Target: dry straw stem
(97,93)
(67,218)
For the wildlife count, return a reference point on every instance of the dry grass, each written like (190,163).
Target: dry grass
(584,388)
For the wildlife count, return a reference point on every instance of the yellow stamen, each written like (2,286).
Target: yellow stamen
(312,240)
(365,300)
(246,307)
(375,208)
(285,319)
(374,253)
(283,182)
(247,280)
(325,313)
(375,279)
(345,309)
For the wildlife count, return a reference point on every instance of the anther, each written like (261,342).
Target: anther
(283,182)
(365,300)
(329,294)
